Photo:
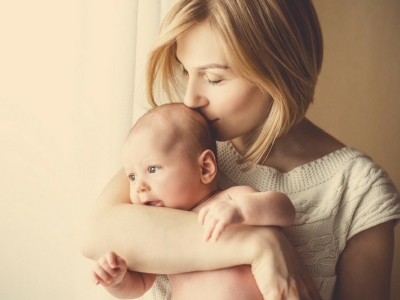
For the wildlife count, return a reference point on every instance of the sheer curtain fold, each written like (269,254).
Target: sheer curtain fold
(69,71)
(149,18)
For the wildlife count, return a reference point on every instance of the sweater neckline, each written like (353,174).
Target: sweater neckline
(308,174)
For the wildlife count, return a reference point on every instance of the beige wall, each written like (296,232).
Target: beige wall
(357,98)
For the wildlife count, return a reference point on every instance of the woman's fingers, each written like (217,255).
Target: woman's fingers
(280,272)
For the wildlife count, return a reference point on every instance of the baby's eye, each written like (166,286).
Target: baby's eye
(153,169)
(132,177)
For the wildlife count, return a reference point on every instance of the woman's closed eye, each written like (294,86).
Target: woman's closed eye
(210,82)
(213,82)
(153,169)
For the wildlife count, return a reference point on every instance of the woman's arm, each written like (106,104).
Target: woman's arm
(165,241)
(156,240)
(364,267)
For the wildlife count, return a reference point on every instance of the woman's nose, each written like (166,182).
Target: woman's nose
(194,98)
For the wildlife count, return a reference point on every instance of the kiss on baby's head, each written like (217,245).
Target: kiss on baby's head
(175,124)
(168,157)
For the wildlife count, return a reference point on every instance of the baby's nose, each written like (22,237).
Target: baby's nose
(142,187)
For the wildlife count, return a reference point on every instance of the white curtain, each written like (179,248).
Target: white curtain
(71,82)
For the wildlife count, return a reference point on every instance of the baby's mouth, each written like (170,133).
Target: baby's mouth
(156,203)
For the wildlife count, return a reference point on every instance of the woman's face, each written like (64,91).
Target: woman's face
(233,105)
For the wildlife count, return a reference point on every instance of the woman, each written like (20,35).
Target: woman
(250,67)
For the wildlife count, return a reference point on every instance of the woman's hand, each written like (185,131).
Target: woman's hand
(278,269)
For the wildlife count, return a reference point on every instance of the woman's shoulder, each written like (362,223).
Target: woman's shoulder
(344,164)
(337,158)
(306,158)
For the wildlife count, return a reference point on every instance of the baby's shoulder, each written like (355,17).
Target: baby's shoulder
(239,190)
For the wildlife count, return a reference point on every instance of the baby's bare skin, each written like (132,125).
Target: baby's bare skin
(235,283)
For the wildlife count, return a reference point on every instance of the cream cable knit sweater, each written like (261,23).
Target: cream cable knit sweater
(336,197)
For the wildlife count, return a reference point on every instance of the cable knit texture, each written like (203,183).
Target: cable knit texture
(336,197)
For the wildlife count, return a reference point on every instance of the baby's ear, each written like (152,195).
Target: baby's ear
(208,165)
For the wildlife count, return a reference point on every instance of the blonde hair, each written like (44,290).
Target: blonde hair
(275,44)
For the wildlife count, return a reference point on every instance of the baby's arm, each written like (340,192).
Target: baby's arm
(111,271)
(244,204)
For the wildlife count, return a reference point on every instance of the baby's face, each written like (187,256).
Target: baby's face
(160,175)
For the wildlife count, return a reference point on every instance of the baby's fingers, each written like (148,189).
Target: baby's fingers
(218,229)
(208,231)
(116,263)
(202,214)
(213,224)
(104,267)
(121,264)
(111,259)
(213,228)
(101,276)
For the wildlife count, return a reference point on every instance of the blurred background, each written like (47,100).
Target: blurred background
(72,84)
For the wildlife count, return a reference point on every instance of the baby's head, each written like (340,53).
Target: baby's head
(177,125)
(170,157)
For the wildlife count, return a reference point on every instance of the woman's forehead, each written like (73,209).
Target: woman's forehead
(200,47)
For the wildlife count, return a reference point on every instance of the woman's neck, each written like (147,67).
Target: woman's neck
(305,142)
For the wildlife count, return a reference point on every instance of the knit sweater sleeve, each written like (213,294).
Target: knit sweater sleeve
(336,197)
(372,197)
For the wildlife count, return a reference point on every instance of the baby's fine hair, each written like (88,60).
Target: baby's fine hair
(185,126)
(274,44)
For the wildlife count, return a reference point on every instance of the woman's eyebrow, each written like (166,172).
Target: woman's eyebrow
(208,66)
(213,66)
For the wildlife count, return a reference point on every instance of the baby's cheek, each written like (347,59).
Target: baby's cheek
(134,197)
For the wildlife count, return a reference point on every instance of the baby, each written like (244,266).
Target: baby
(169,158)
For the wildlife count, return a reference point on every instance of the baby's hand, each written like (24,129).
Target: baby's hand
(217,216)
(109,270)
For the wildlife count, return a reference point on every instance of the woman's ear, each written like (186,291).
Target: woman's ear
(208,166)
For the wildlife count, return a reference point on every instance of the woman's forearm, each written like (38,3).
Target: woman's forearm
(168,241)
(159,240)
